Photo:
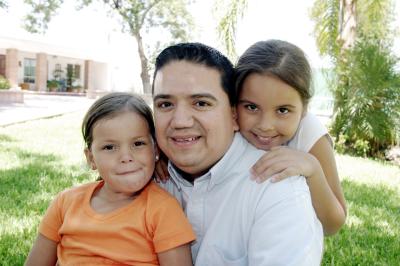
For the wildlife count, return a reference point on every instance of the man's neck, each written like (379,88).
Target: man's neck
(190,177)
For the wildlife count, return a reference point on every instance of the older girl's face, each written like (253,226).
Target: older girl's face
(269,111)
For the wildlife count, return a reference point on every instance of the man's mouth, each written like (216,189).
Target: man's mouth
(185,140)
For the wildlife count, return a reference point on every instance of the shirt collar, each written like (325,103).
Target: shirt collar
(222,170)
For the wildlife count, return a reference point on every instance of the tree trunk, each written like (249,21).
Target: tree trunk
(347,23)
(144,62)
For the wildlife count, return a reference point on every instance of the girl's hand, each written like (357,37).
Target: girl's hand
(281,162)
(161,170)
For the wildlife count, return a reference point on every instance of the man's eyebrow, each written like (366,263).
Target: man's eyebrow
(203,95)
(161,96)
(193,96)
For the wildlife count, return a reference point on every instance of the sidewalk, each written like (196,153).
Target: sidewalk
(38,106)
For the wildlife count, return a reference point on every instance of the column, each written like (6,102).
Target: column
(88,76)
(12,66)
(41,72)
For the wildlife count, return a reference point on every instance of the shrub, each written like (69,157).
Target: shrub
(367,94)
(52,84)
(4,83)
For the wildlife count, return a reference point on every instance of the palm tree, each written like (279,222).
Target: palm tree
(234,10)
(357,36)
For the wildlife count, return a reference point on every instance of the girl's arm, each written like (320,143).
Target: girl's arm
(320,169)
(332,216)
(177,256)
(43,252)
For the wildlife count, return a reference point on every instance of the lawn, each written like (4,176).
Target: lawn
(40,158)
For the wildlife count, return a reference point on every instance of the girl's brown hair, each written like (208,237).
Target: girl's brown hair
(280,59)
(111,104)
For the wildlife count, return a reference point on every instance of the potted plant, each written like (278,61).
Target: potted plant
(52,85)
(77,88)
(4,83)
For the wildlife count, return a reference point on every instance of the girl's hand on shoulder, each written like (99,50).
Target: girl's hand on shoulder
(282,162)
(161,169)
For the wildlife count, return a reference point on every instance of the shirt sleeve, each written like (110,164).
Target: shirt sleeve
(52,220)
(170,225)
(309,132)
(286,230)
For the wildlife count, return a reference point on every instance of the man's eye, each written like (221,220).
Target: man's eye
(163,105)
(108,147)
(202,104)
(251,107)
(283,110)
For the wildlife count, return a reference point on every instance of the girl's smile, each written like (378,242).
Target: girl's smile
(269,111)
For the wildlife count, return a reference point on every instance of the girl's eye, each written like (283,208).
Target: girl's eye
(251,107)
(108,147)
(283,110)
(139,143)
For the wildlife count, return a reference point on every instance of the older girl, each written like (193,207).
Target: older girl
(273,88)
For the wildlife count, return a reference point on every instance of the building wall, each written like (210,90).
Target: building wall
(98,77)
(53,60)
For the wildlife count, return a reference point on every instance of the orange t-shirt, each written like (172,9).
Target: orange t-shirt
(154,222)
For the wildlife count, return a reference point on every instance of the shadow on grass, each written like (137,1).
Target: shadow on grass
(15,247)
(5,138)
(27,185)
(25,193)
(371,235)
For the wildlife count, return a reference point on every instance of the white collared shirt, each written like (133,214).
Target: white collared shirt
(240,222)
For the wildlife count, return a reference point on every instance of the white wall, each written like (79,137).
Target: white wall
(101,79)
(52,60)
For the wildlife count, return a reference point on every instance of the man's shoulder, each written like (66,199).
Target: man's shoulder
(271,193)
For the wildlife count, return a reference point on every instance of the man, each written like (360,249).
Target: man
(237,221)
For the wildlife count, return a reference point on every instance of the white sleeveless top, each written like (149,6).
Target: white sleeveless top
(309,132)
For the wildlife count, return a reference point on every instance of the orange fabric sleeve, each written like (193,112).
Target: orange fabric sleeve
(52,220)
(170,225)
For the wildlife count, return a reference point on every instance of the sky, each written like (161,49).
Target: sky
(99,36)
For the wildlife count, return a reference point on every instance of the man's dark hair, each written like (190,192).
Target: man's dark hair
(202,54)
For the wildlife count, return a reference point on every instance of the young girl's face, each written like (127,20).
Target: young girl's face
(269,111)
(123,152)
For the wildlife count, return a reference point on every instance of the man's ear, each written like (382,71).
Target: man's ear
(89,159)
(235,119)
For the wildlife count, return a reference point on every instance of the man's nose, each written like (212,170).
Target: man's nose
(182,117)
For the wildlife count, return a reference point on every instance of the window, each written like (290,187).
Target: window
(77,71)
(73,74)
(29,70)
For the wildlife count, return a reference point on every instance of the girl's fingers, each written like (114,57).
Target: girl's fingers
(274,169)
(265,162)
(288,172)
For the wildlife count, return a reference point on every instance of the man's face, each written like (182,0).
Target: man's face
(194,120)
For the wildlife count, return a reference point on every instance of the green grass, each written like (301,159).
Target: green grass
(38,159)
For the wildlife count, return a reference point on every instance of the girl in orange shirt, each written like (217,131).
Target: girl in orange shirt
(124,218)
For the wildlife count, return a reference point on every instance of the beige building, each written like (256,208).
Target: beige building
(32,65)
